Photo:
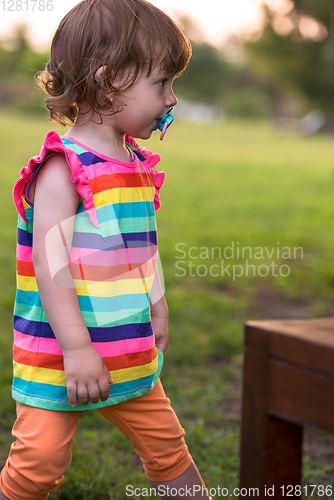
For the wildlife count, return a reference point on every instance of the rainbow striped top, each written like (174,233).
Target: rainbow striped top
(111,261)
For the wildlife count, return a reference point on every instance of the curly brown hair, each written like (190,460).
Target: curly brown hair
(115,34)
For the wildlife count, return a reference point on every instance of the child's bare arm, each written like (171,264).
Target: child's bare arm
(56,200)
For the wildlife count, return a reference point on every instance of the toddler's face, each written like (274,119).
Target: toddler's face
(144,105)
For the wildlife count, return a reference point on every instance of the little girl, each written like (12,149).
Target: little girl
(90,318)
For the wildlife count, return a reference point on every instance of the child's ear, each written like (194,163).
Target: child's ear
(99,73)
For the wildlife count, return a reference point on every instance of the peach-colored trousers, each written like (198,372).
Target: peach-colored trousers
(42,451)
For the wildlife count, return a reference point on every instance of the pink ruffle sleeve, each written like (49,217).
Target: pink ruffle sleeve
(53,145)
(152,159)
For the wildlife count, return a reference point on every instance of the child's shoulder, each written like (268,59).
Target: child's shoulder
(52,146)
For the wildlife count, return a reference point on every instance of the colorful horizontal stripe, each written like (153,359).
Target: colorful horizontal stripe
(51,346)
(28,283)
(117,181)
(112,265)
(26,359)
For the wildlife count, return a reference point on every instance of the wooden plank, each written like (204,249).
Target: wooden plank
(301,396)
(311,355)
(308,343)
(300,328)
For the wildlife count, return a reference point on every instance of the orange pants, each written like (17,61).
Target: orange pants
(42,451)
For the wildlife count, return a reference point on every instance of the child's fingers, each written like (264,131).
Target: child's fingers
(104,389)
(94,392)
(162,344)
(104,383)
(82,392)
(72,393)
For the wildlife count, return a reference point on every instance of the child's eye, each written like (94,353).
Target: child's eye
(162,83)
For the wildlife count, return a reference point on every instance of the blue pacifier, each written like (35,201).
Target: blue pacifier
(164,123)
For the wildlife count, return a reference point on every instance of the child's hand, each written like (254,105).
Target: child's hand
(86,376)
(160,330)
(159,320)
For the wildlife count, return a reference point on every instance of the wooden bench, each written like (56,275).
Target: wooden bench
(288,381)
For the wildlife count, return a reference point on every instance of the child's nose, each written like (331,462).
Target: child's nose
(171,100)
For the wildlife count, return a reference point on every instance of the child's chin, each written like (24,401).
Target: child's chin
(145,136)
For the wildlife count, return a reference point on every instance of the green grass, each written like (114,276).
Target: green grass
(229,182)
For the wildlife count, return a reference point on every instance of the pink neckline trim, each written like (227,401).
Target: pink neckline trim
(131,163)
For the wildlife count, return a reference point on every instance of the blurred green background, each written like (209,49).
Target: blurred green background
(258,173)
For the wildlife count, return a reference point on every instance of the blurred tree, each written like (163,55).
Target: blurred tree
(22,61)
(212,79)
(295,52)
(17,69)
(207,75)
